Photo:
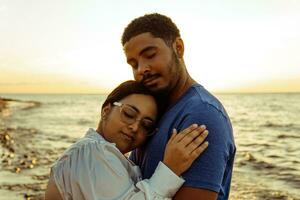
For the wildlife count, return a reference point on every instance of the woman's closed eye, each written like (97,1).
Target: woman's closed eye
(130,114)
(147,124)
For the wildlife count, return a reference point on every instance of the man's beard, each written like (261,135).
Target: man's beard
(174,70)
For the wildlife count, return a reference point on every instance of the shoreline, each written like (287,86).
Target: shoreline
(25,166)
(3,104)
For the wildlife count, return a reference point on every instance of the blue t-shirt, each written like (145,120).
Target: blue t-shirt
(213,169)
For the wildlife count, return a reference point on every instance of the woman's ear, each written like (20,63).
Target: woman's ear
(105,111)
(178,47)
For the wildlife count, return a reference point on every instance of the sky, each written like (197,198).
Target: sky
(61,46)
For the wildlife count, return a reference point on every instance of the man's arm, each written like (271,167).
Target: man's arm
(187,193)
(204,178)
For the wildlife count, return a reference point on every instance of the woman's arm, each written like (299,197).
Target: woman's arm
(181,150)
(93,170)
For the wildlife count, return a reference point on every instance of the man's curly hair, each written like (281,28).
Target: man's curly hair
(158,25)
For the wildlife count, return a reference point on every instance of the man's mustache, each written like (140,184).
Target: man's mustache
(146,76)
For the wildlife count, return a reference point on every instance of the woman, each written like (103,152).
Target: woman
(95,167)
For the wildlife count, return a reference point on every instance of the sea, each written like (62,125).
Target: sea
(266,129)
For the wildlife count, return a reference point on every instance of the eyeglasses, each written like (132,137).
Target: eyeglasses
(129,116)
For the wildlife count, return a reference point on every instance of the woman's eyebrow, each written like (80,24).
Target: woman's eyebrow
(135,108)
(138,111)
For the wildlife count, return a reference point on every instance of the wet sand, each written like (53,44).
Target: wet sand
(25,162)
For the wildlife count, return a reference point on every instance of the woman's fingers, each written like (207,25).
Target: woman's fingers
(195,154)
(174,133)
(183,148)
(197,141)
(192,135)
(184,132)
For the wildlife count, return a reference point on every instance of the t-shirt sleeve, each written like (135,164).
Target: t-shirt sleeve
(92,172)
(208,170)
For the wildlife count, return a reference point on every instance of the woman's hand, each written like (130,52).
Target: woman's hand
(183,148)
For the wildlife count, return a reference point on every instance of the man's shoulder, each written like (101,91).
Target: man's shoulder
(198,96)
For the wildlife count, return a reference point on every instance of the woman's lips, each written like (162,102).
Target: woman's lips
(128,136)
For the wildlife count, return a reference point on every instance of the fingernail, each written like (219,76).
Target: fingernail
(203,126)
(205,132)
(195,125)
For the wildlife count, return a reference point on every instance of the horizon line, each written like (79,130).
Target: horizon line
(101,93)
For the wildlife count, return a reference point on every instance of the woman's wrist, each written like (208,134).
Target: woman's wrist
(173,168)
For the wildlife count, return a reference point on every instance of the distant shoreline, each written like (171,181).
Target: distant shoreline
(3,104)
(4,101)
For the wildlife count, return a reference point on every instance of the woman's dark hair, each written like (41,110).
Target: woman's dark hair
(131,87)
(158,25)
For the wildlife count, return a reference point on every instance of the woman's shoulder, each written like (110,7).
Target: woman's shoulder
(91,143)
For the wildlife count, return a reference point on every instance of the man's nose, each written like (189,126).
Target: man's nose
(143,68)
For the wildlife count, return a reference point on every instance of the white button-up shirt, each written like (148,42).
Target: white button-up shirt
(93,168)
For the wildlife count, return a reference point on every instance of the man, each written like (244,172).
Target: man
(154,50)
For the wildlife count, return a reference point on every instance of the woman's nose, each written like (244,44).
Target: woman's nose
(135,126)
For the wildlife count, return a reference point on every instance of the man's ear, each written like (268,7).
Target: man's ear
(178,47)
(105,111)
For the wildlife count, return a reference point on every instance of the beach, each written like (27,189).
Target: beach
(25,163)
(36,129)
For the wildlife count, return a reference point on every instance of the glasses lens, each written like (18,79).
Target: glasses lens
(147,126)
(128,115)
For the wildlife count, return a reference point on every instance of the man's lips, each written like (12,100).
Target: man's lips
(149,80)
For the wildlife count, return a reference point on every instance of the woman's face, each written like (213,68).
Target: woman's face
(127,123)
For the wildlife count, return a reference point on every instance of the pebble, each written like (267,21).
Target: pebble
(17,170)
(27,196)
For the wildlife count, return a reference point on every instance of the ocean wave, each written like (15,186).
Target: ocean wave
(269,124)
(257,145)
(84,122)
(289,174)
(283,136)
(55,138)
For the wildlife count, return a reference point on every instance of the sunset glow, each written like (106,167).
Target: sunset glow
(63,46)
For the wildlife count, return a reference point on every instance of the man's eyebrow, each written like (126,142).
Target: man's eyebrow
(142,52)
(137,110)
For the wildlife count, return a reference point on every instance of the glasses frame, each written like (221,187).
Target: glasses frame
(119,104)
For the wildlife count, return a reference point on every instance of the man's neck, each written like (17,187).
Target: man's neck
(182,86)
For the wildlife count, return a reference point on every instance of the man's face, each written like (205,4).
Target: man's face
(153,62)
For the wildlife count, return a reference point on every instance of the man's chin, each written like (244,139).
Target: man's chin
(158,90)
